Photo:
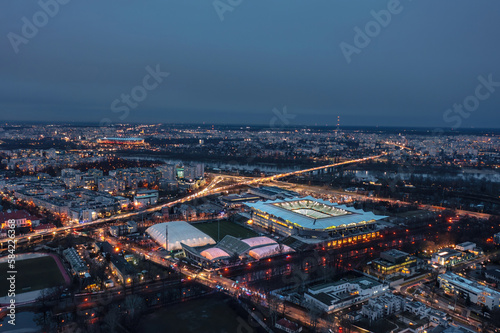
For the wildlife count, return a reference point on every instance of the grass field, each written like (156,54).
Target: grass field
(226,228)
(32,274)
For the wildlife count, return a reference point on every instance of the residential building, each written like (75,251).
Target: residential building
(146,198)
(288,326)
(332,296)
(477,293)
(123,271)
(78,266)
(21,219)
(383,306)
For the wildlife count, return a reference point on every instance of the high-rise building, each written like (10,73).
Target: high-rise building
(180,173)
(168,172)
(194,171)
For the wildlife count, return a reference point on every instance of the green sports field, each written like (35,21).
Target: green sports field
(226,228)
(32,274)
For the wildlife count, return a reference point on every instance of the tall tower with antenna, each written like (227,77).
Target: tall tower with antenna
(338,126)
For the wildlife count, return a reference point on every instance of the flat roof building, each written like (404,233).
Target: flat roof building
(393,262)
(467,246)
(479,294)
(336,295)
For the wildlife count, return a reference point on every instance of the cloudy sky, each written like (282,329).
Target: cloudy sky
(233,61)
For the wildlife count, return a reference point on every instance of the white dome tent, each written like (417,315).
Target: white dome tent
(178,232)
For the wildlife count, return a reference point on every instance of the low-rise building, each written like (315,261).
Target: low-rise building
(477,293)
(288,326)
(123,271)
(78,267)
(394,262)
(123,229)
(496,238)
(332,296)
(448,257)
(146,198)
(21,219)
(493,274)
(383,306)
(467,246)
(417,308)
(388,304)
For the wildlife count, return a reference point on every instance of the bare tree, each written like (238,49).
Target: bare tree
(112,320)
(134,306)
(314,315)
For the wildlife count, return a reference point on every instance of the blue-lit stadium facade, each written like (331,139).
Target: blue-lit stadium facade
(311,217)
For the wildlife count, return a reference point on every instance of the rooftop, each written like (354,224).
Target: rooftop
(312,213)
(395,253)
(178,232)
(468,284)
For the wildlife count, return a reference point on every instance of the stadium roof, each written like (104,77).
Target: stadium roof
(312,213)
(179,232)
(258,241)
(214,253)
(233,245)
(269,250)
(122,139)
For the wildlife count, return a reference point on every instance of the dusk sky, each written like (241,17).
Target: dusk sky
(264,54)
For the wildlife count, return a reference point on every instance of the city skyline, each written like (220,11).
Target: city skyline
(295,224)
(250,166)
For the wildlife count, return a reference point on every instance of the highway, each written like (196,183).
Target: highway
(362,196)
(209,190)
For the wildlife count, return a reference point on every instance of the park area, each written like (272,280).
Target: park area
(32,274)
(218,229)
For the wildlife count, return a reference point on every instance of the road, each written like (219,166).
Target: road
(362,196)
(226,285)
(209,279)
(209,190)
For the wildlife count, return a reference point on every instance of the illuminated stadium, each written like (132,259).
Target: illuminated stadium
(312,209)
(121,141)
(309,216)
